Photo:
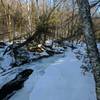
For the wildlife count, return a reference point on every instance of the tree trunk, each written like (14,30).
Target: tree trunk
(84,11)
(87,27)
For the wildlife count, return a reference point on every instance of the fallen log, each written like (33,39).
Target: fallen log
(19,45)
(17,83)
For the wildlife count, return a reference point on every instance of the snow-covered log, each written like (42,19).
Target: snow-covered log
(8,89)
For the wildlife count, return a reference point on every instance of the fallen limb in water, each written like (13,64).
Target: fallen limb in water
(17,83)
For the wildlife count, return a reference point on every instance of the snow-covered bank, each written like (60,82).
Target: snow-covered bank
(58,79)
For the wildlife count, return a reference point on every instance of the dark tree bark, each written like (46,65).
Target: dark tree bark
(87,27)
(85,16)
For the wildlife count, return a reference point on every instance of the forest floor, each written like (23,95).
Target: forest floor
(58,78)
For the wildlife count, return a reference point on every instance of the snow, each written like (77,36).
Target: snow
(48,42)
(98,46)
(58,49)
(55,78)
(44,53)
(64,81)
(6,60)
(58,78)
(6,78)
(39,69)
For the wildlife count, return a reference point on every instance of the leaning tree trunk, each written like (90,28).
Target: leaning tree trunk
(85,16)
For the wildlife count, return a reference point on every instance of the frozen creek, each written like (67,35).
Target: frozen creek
(57,78)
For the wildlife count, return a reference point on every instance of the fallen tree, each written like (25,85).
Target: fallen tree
(17,83)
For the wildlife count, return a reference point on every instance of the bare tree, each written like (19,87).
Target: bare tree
(87,26)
